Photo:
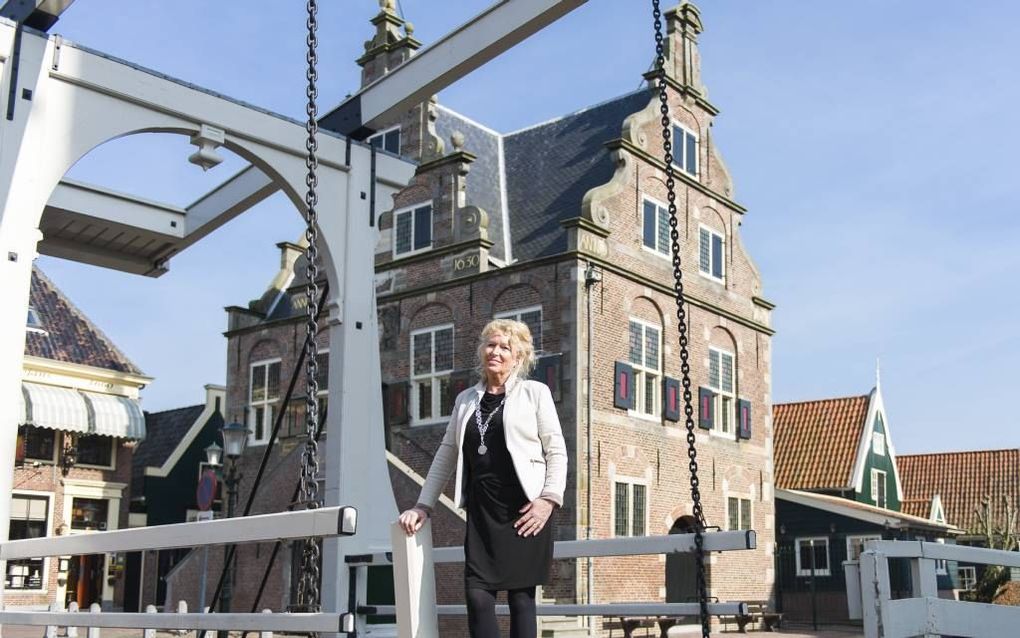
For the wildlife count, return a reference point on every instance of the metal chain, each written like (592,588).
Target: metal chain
(681,315)
(308,586)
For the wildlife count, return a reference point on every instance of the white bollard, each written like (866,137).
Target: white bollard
(182,608)
(72,630)
(51,630)
(150,633)
(93,632)
(266,634)
(414,582)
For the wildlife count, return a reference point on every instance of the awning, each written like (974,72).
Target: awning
(115,416)
(48,406)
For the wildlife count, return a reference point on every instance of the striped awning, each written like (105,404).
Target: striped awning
(115,416)
(48,406)
(70,410)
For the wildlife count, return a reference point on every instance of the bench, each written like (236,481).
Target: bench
(629,625)
(757,613)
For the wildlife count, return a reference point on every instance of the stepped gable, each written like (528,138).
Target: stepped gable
(485,181)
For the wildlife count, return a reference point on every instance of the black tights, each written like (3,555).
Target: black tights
(481,606)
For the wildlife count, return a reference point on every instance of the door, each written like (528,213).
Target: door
(85,580)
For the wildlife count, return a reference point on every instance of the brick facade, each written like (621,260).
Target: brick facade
(458,281)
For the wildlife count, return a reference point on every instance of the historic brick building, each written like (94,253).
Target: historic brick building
(563,226)
(80,422)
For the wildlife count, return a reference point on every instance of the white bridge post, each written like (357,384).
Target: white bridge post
(94,632)
(414,583)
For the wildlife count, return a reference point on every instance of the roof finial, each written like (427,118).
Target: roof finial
(878,373)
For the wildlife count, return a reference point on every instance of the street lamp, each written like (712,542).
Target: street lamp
(214,455)
(235,435)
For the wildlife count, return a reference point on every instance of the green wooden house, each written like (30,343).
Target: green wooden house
(164,479)
(838,485)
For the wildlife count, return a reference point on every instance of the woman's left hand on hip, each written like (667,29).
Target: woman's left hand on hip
(534,517)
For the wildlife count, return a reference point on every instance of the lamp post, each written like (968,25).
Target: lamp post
(235,435)
(214,461)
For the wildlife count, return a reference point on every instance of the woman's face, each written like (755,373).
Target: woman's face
(499,357)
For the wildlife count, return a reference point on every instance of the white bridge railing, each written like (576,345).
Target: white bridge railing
(414,557)
(925,614)
(317,523)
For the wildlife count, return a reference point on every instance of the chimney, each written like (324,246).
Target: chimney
(391,46)
(683,61)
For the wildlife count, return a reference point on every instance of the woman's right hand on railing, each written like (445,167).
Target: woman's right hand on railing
(412,520)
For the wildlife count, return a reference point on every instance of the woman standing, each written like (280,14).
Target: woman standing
(505,445)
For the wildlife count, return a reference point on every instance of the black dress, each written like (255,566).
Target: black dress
(495,556)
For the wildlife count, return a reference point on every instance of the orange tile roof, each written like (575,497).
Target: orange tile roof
(816,442)
(962,480)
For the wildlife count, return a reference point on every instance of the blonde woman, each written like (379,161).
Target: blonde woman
(505,445)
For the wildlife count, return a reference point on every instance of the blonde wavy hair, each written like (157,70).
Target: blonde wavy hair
(520,344)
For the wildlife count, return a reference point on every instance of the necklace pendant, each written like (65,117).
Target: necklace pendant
(482,449)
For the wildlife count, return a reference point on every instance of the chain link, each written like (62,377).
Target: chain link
(308,586)
(681,315)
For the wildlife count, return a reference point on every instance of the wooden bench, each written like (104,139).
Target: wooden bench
(757,613)
(629,625)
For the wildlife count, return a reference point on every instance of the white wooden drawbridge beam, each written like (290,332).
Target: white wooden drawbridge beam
(503,25)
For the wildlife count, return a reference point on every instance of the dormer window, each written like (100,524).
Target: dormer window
(685,150)
(34,322)
(412,230)
(388,140)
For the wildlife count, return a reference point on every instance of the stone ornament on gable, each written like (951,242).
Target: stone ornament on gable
(432,147)
(593,205)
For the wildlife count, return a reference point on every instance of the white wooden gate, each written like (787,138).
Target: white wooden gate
(924,613)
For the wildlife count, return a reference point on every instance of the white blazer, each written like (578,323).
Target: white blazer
(533,437)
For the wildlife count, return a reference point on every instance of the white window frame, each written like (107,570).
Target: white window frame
(750,508)
(863,538)
(630,482)
(721,407)
(941,566)
(659,206)
(806,569)
(516,316)
(722,258)
(435,376)
(875,472)
(963,580)
(409,210)
(682,154)
(50,496)
(266,403)
(878,443)
(382,135)
(34,322)
(641,372)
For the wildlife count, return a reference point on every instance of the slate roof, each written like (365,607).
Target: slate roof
(962,480)
(550,166)
(485,180)
(69,335)
(816,442)
(164,430)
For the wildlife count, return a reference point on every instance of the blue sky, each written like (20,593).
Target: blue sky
(873,144)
